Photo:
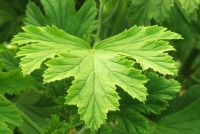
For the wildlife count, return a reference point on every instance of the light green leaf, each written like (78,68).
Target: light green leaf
(49,41)
(62,14)
(95,77)
(8,114)
(97,70)
(189,5)
(146,45)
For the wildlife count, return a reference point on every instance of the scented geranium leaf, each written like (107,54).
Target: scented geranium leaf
(97,70)
(146,45)
(13,82)
(160,91)
(189,5)
(95,78)
(46,42)
(146,10)
(62,14)
(8,114)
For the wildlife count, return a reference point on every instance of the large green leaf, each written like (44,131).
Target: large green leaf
(97,70)
(62,13)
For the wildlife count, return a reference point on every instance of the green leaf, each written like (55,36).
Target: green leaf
(7,13)
(189,5)
(62,14)
(146,10)
(36,106)
(129,121)
(9,60)
(186,120)
(13,82)
(97,70)
(11,12)
(160,91)
(8,114)
(186,98)
(46,47)
(4,128)
(147,45)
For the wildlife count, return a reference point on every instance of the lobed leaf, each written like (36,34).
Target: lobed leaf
(97,70)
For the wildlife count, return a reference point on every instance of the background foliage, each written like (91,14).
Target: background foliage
(30,107)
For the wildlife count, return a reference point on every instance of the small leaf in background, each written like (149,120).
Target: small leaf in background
(63,15)
(189,5)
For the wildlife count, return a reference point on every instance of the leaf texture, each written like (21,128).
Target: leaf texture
(160,91)
(97,70)
(130,121)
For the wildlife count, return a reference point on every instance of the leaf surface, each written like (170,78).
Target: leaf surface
(97,70)
(161,91)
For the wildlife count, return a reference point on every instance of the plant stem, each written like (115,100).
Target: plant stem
(100,17)
(82,130)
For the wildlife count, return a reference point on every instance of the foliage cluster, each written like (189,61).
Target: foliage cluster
(99,67)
